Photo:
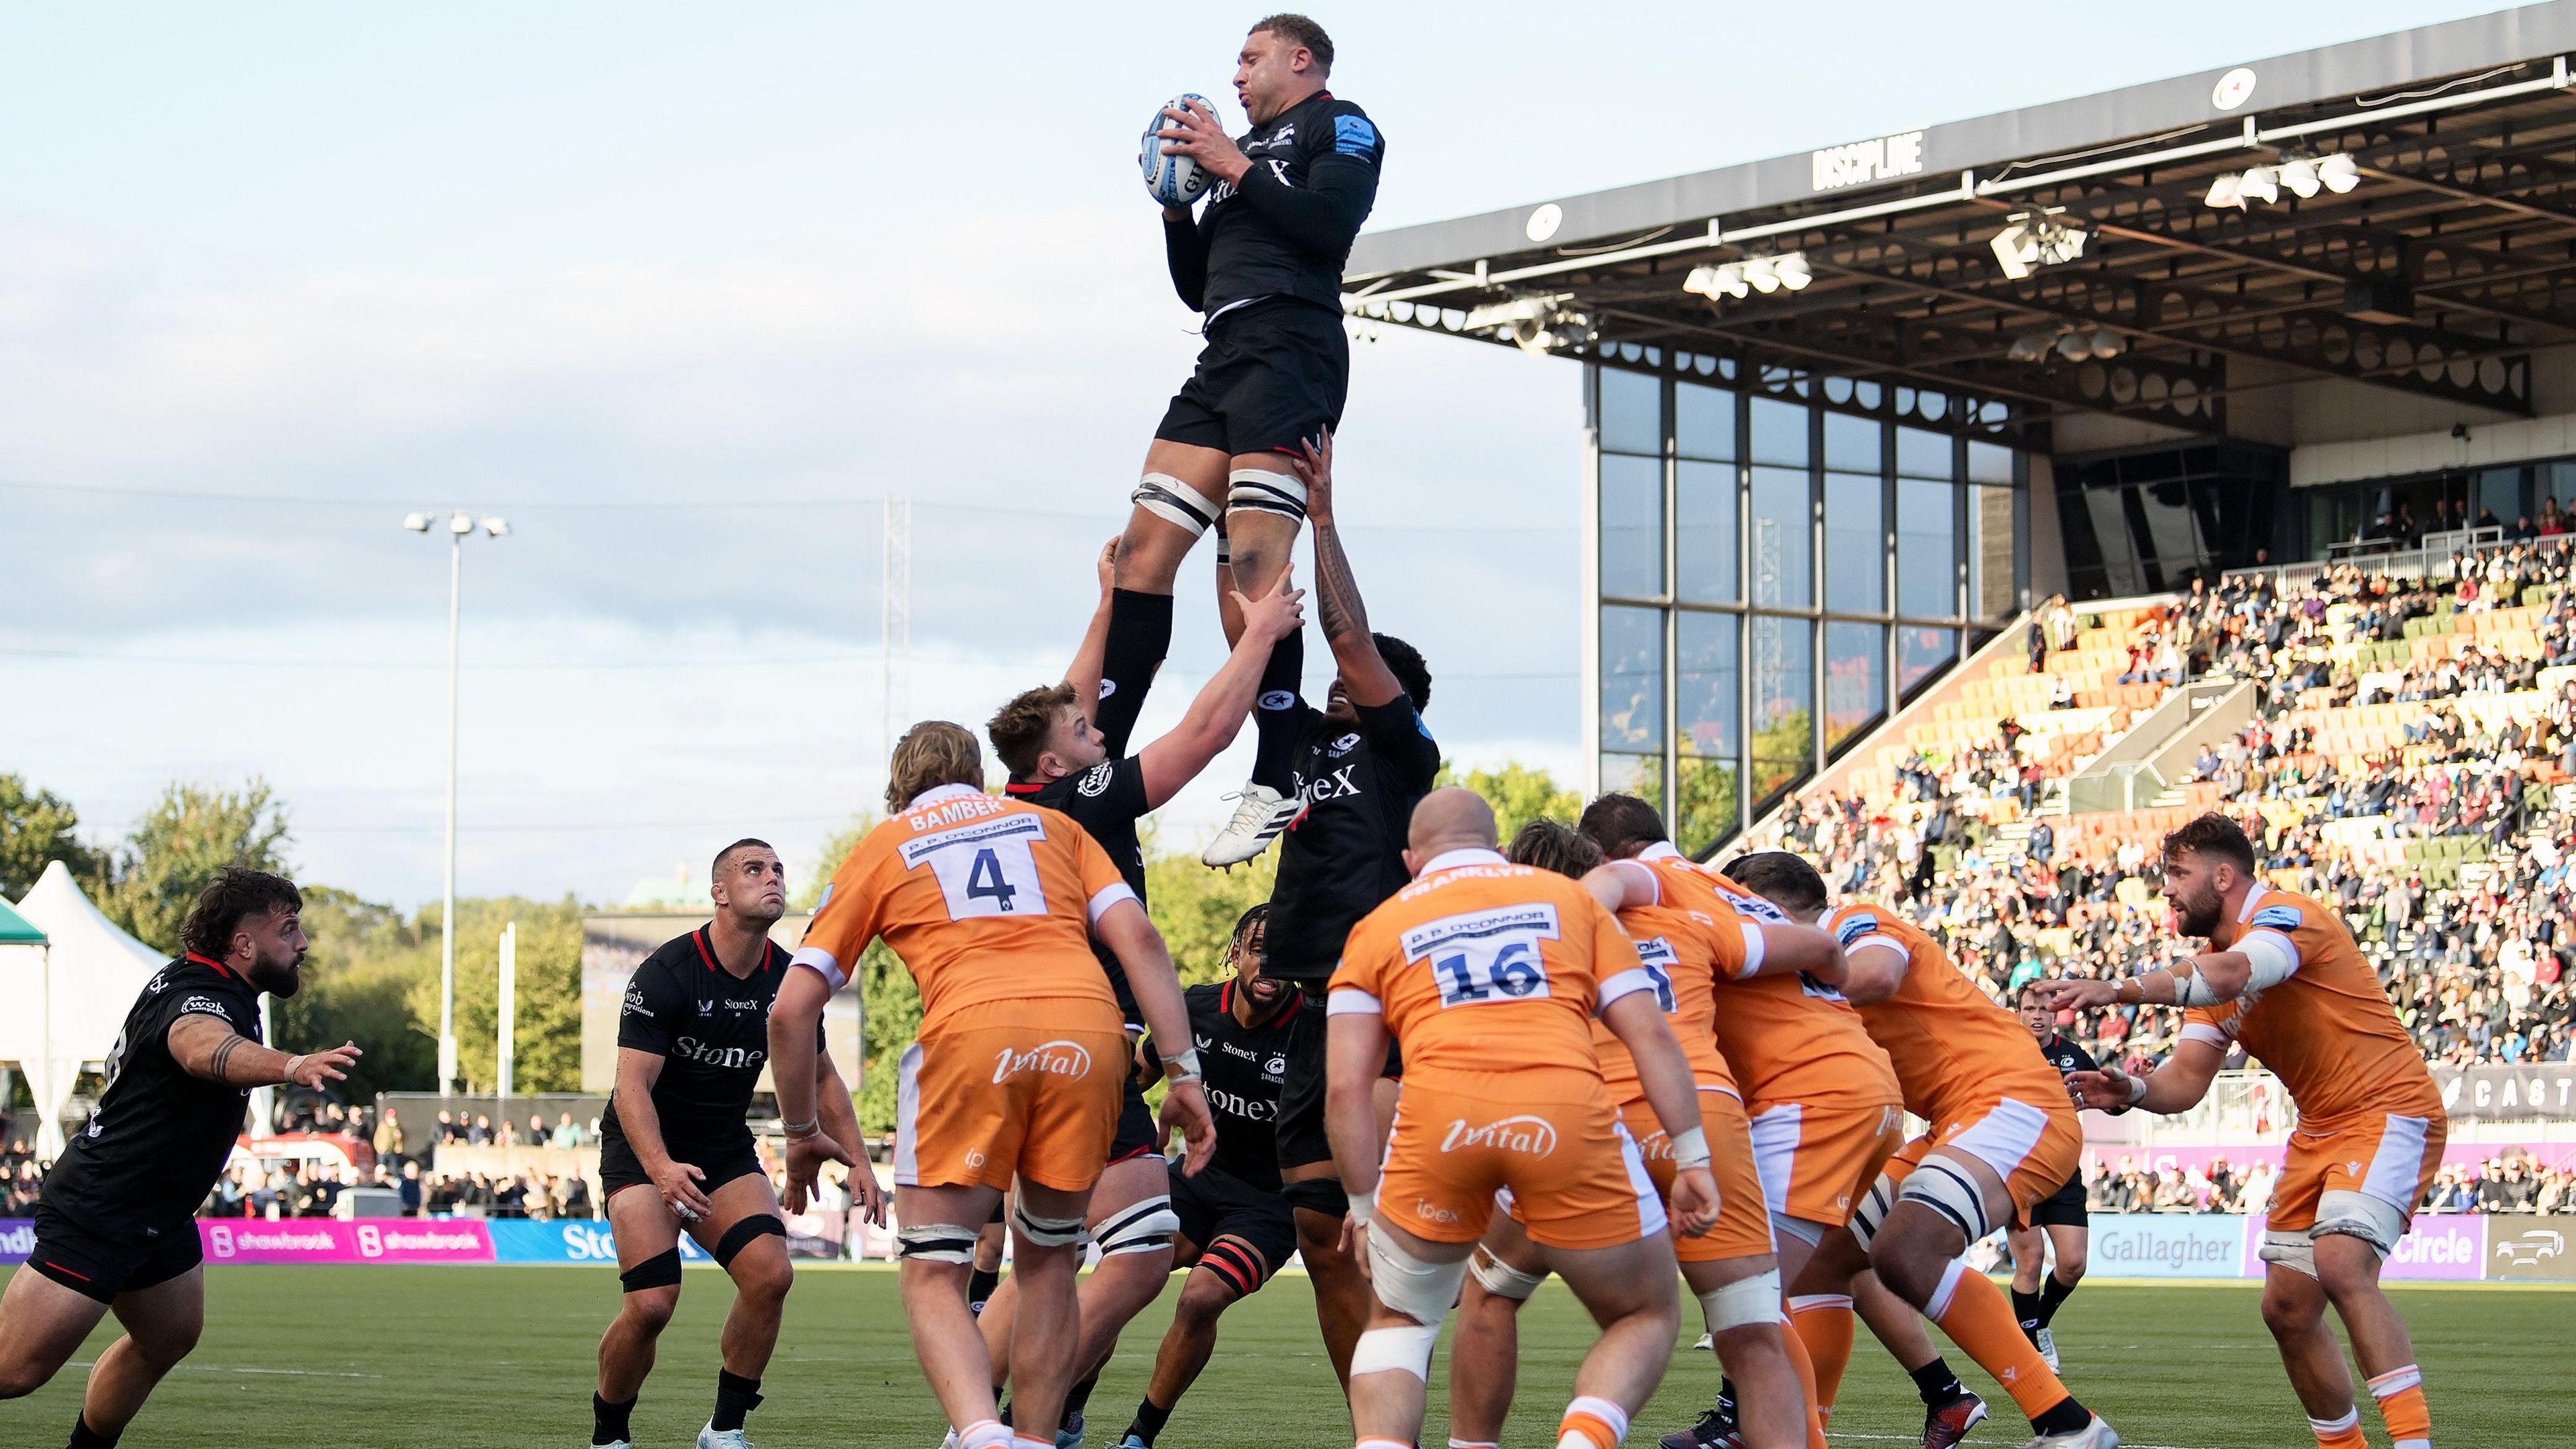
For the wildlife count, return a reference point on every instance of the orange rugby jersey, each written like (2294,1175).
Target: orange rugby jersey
(1789,1037)
(2328,1032)
(1683,948)
(1484,968)
(1955,1051)
(986,899)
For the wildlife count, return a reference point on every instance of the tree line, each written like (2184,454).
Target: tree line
(372,975)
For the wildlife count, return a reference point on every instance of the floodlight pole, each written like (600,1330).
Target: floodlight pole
(447,910)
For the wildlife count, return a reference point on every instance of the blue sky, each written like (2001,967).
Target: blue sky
(683,290)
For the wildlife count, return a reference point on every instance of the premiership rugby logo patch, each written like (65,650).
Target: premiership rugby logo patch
(2279,918)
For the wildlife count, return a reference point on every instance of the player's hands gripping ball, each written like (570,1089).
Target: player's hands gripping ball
(1192,132)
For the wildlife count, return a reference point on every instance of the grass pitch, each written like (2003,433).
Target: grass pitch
(362,1357)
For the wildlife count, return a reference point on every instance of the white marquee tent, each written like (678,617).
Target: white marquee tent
(78,988)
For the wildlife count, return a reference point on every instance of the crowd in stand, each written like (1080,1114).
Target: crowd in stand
(2511,1181)
(2477,956)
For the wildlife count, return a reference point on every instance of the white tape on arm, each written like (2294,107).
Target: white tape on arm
(1351,1001)
(820,962)
(1109,896)
(2275,957)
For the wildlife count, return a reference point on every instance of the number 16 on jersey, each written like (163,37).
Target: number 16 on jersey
(1486,956)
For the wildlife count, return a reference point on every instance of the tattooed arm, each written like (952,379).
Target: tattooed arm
(205,1045)
(1365,676)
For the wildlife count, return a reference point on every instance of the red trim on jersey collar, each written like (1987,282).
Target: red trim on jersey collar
(769,950)
(1031,787)
(218,965)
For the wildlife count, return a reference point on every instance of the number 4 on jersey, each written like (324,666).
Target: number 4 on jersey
(984,881)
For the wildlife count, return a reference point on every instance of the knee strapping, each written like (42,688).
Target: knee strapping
(1420,1291)
(662,1270)
(1234,1260)
(1746,1300)
(1262,491)
(1951,1193)
(1175,502)
(1873,1210)
(936,1243)
(1046,1232)
(739,1236)
(1144,1227)
(1502,1279)
(1404,1348)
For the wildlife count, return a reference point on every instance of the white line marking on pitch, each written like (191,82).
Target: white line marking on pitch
(1917,1439)
(216,1368)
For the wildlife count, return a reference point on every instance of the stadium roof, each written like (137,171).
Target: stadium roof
(2437,273)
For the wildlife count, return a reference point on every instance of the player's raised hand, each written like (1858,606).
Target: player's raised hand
(2102,1090)
(1185,1110)
(2065,994)
(1191,129)
(1313,465)
(315,1068)
(1277,614)
(805,1157)
(678,1182)
(1694,1201)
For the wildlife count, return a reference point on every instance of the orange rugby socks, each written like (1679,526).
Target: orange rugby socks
(2400,1392)
(1806,1371)
(1979,1318)
(1822,1323)
(1592,1423)
(2343,1433)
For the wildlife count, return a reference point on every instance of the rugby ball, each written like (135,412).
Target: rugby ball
(1173,180)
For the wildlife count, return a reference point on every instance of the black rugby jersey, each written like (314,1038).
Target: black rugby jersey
(1344,855)
(2063,1054)
(710,1029)
(1106,801)
(1286,229)
(1242,1066)
(160,1137)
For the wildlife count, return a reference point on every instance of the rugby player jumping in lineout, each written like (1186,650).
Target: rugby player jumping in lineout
(1263,265)
(115,1227)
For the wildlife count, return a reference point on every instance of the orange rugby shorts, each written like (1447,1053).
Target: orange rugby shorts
(2391,1157)
(2033,1146)
(1816,1159)
(1574,1174)
(1030,1089)
(1743,1228)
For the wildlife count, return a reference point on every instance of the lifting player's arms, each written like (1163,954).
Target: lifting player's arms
(114,1226)
(2283,979)
(1487,974)
(1264,265)
(1066,749)
(991,904)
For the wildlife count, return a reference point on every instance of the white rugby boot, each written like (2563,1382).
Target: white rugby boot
(712,1437)
(2046,1343)
(2095,1435)
(1260,814)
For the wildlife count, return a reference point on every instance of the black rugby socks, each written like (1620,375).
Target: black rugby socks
(1078,1396)
(736,1397)
(1274,715)
(85,1437)
(608,1421)
(2052,1296)
(1149,1421)
(1938,1385)
(1140,634)
(980,1284)
(2026,1312)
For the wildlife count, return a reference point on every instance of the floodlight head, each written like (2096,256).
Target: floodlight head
(460,523)
(2107,343)
(1793,271)
(1762,275)
(2260,183)
(2075,346)
(1730,281)
(1702,282)
(2223,191)
(497,527)
(2013,250)
(2030,347)
(2339,173)
(2301,177)
(416,522)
